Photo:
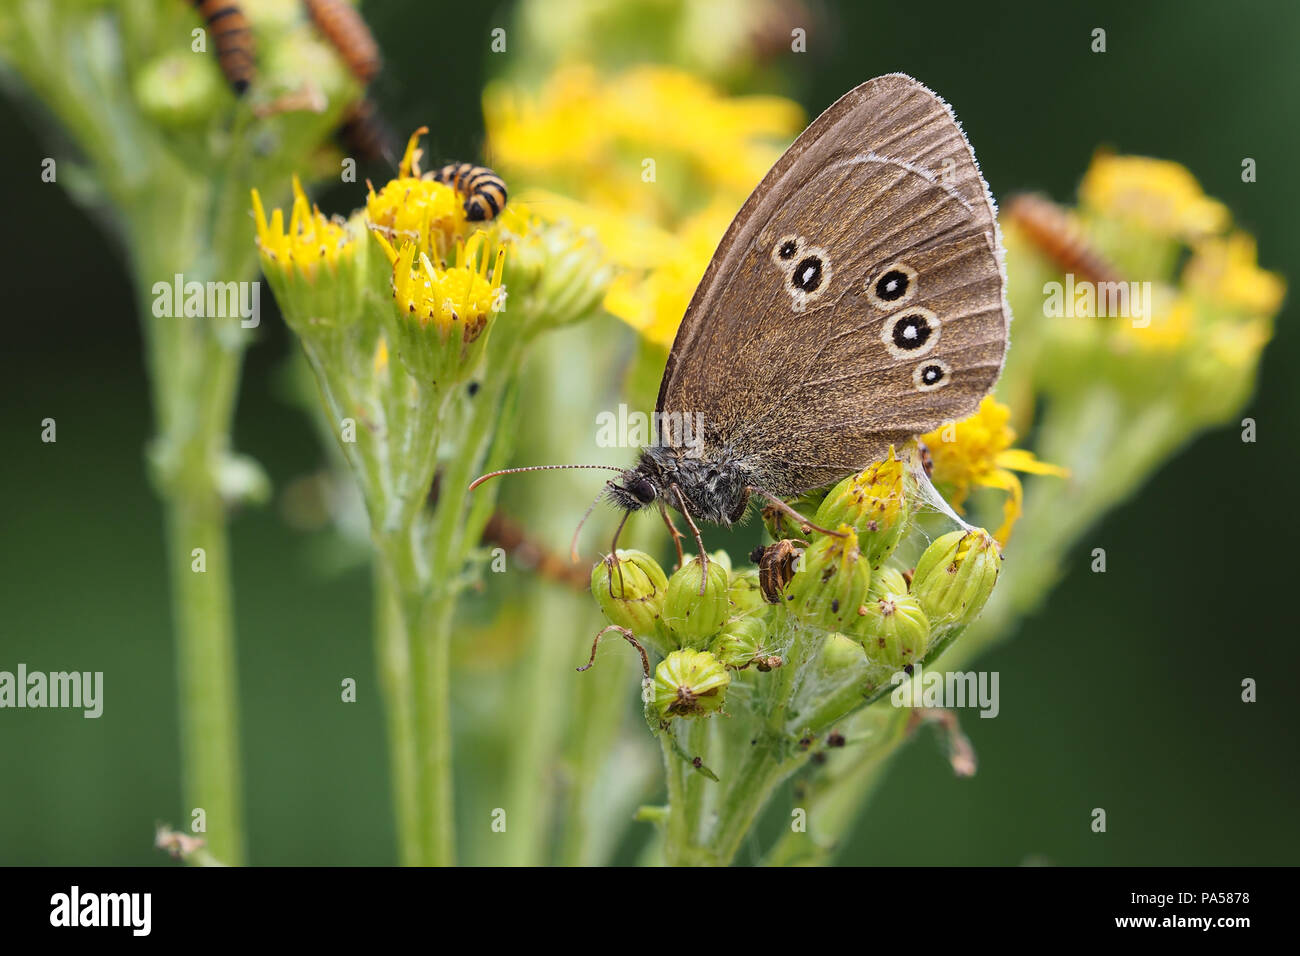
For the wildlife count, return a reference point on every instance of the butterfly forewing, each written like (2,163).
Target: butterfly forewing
(856,300)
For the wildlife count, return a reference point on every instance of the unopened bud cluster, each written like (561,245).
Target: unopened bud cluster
(839,578)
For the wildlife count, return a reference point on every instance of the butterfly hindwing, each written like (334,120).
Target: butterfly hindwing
(856,300)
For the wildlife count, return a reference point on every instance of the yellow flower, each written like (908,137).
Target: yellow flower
(654,302)
(1170,328)
(627,241)
(310,239)
(592,136)
(462,295)
(410,208)
(978,452)
(1225,269)
(1160,195)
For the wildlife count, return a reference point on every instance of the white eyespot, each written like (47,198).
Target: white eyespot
(931,374)
(910,332)
(892,287)
(785,250)
(807,276)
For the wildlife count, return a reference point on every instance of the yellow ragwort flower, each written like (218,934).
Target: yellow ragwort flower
(1158,194)
(1226,270)
(978,452)
(417,209)
(310,239)
(590,135)
(463,294)
(1171,327)
(654,302)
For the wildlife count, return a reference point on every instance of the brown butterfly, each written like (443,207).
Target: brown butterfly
(857,300)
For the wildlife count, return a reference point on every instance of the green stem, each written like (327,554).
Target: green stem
(679,848)
(452,533)
(431,670)
(392,648)
(832,808)
(205,660)
(194,415)
(747,791)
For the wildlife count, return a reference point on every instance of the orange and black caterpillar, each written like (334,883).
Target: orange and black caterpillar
(347,31)
(484,190)
(233,38)
(1049,228)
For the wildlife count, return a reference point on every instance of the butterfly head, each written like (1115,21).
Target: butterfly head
(636,489)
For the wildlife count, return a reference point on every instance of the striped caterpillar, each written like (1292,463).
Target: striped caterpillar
(484,190)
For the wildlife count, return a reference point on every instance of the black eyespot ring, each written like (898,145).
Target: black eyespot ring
(785,249)
(930,375)
(807,275)
(892,286)
(910,332)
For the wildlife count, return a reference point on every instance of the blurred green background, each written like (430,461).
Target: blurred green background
(1123,692)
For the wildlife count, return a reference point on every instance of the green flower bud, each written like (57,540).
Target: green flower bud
(887,581)
(696,617)
(745,595)
(631,590)
(840,653)
(874,503)
(780,525)
(955,577)
(894,630)
(740,642)
(179,89)
(689,684)
(831,582)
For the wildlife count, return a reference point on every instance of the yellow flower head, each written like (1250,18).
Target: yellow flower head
(310,239)
(654,302)
(412,208)
(978,452)
(1225,270)
(1158,194)
(463,295)
(591,136)
(1172,327)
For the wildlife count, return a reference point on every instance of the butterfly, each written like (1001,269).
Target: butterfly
(857,300)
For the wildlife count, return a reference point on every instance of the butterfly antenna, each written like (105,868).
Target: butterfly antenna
(573,545)
(514,471)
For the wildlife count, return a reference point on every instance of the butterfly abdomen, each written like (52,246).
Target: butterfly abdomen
(484,190)
(343,26)
(233,41)
(1059,238)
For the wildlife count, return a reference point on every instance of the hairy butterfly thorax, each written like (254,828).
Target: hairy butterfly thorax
(713,489)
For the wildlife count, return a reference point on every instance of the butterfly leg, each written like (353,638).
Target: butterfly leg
(672,529)
(699,540)
(627,636)
(613,552)
(781,506)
